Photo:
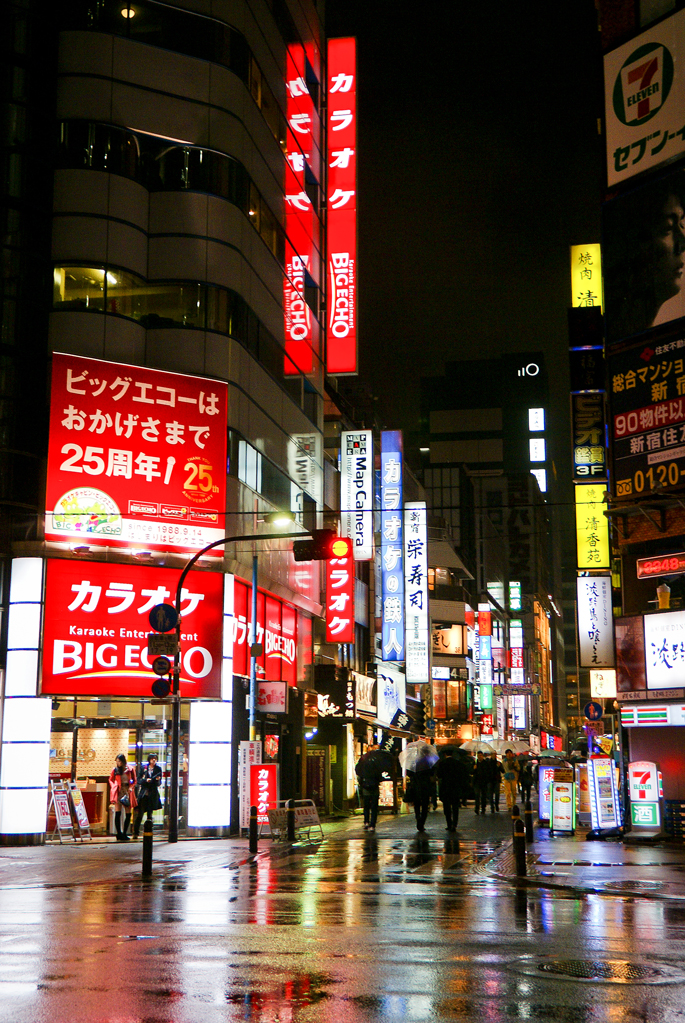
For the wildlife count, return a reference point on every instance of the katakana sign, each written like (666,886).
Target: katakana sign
(276,632)
(589,452)
(96,629)
(647,400)
(341,157)
(644,100)
(392,565)
(340,600)
(136,455)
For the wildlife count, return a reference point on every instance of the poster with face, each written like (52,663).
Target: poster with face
(644,256)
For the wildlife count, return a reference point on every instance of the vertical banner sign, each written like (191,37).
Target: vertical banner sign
(341,156)
(416,593)
(136,455)
(340,600)
(263,790)
(592,526)
(356,496)
(299,215)
(250,754)
(392,569)
(586,276)
(595,621)
(589,453)
(517,674)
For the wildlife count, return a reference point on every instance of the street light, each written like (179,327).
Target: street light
(176,705)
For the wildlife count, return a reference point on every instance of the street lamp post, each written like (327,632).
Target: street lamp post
(176,678)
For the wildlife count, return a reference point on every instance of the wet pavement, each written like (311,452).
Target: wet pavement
(362,927)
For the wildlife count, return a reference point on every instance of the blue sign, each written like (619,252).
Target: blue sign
(593,711)
(163,618)
(392,546)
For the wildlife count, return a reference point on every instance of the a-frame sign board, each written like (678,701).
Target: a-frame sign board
(59,804)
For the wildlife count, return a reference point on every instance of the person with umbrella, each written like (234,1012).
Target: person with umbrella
(452,779)
(419,760)
(370,770)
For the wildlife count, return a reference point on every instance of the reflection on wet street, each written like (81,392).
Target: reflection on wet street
(366,929)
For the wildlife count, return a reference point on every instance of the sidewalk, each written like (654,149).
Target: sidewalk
(610,868)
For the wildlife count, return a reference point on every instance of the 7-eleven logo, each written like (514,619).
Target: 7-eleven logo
(643,84)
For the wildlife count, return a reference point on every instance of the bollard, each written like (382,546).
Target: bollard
(515,816)
(528,816)
(147,847)
(253,829)
(290,820)
(520,848)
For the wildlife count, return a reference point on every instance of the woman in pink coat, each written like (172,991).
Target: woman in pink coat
(122,795)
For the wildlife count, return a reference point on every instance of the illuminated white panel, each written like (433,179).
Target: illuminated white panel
(536,419)
(21,673)
(23,811)
(27,580)
(537,449)
(209,806)
(210,722)
(229,620)
(24,627)
(541,477)
(26,720)
(25,765)
(209,763)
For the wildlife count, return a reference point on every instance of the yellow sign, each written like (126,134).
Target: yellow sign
(586,276)
(603,683)
(592,526)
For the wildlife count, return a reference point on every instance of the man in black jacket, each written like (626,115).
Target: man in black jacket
(452,779)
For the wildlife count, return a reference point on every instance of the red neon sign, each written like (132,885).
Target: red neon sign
(666,564)
(341,156)
(136,456)
(340,600)
(264,790)
(276,631)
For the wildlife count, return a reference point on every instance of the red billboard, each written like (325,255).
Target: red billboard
(137,456)
(96,629)
(340,600)
(264,790)
(276,631)
(341,157)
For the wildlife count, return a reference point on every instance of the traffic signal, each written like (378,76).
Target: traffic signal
(323,545)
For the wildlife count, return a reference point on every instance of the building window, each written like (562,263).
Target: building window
(536,419)
(537,449)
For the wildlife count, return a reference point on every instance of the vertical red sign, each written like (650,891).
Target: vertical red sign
(276,631)
(264,790)
(341,157)
(340,600)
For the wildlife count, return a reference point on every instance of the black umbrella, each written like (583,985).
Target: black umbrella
(375,763)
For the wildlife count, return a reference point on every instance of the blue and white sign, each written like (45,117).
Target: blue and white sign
(392,560)
(390,693)
(416,592)
(356,491)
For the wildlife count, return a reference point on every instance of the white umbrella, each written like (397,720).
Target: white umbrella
(477,746)
(418,756)
(515,745)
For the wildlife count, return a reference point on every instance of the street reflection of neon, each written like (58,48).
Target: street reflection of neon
(263,908)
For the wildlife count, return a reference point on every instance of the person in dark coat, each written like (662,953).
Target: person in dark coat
(452,779)
(422,786)
(370,776)
(495,782)
(480,782)
(148,793)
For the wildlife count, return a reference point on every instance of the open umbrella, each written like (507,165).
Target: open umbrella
(516,745)
(477,746)
(551,753)
(418,756)
(374,763)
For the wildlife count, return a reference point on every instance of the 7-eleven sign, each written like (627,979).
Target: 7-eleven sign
(644,777)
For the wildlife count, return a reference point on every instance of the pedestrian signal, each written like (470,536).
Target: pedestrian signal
(323,545)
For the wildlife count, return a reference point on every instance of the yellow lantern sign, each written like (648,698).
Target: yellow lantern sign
(592,526)
(586,276)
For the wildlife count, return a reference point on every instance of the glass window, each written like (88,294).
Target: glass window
(541,477)
(174,305)
(126,294)
(78,287)
(537,449)
(536,419)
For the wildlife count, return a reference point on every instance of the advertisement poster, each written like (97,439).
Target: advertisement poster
(136,456)
(644,100)
(96,629)
(647,395)
(630,655)
(563,811)
(603,793)
(665,649)
(595,621)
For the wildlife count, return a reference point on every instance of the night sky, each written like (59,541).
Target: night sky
(479,164)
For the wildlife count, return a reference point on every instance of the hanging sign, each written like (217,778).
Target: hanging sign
(416,593)
(592,527)
(595,621)
(340,600)
(392,566)
(356,491)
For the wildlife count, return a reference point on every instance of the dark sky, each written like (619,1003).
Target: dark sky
(479,164)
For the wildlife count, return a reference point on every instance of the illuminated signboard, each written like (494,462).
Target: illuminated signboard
(589,454)
(96,629)
(603,684)
(650,715)
(663,564)
(644,103)
(356,491)
(648,418)
(340,600)
(604,806)
(563,806)
(277,631)
(517,673)
(416,592)
(586,275)
(264,790)
(515,596)
(592,526)
(665,649)
(341,156)
(392,565)
(448,640)
(595,621)
(136,456)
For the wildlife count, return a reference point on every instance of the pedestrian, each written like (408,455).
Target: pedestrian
(480,782)
(470,765)
(122,795)
(422,787)
(511,773)
(496,781)
(526,779)
(452,779)
(148,797)
(370,775)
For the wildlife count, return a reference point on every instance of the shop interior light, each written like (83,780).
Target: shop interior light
(128,12)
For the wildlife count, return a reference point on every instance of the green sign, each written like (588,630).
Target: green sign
(644,815)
